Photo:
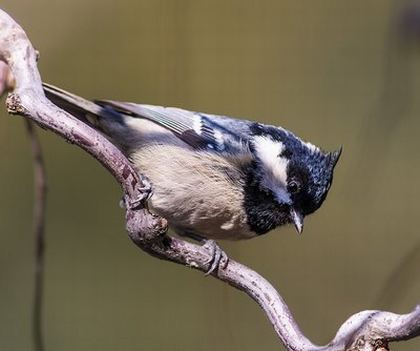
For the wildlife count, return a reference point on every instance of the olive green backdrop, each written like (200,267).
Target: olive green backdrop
(334,72)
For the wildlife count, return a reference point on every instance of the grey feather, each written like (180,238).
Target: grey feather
(71,102)
(199,130)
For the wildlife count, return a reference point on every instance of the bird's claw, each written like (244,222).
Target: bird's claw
(145,192)
(218,258)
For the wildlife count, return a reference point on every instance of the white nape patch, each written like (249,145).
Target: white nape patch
(197,124)
(312,147)
(275,178)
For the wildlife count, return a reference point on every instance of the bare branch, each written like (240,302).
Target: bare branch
(40,198)
(369,330)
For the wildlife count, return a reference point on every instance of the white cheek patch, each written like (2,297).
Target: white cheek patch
(268,152)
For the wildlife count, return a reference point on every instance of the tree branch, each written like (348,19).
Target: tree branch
(40,198)
(368,330)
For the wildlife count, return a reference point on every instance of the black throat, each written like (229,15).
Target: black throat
(263,211)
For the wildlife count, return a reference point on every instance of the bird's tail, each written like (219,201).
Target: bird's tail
(103,118)
(77,106)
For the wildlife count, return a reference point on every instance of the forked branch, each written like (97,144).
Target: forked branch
(368,330)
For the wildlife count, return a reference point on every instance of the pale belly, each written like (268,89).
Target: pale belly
(193,191)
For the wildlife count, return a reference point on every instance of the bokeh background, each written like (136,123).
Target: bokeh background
(335,72)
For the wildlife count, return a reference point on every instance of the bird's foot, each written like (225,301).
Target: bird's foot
(145,193)
(218,258)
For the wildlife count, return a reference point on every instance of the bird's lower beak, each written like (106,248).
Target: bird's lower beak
(297,219)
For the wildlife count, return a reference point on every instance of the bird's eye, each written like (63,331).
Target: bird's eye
(293,187)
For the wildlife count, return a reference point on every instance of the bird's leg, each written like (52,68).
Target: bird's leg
(146,192)
(218,258)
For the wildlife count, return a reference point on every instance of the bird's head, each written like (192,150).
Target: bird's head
(295,174)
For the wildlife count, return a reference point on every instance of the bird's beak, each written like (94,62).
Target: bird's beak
(297,219)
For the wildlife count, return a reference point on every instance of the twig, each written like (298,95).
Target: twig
(40,192)
(40,197)
(368,330)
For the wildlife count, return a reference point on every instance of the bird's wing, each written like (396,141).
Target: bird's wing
(199,130)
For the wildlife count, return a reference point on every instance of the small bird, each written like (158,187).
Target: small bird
(213,177)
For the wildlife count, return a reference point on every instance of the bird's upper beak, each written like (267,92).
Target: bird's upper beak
(297,219)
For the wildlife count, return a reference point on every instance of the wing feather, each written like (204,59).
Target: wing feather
(194,128)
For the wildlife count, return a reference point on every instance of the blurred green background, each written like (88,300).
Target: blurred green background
(334,72)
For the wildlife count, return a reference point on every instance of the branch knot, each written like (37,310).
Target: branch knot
(14,105)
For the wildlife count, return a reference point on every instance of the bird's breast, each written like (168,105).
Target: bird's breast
(197,191)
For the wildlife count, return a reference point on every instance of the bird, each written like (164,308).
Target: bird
(213,177)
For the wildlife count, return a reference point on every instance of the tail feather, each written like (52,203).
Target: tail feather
(77,106)
(103,118)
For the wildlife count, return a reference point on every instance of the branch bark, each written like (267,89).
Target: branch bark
(364,331)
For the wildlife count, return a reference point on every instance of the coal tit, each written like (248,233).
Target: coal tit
(213,177)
